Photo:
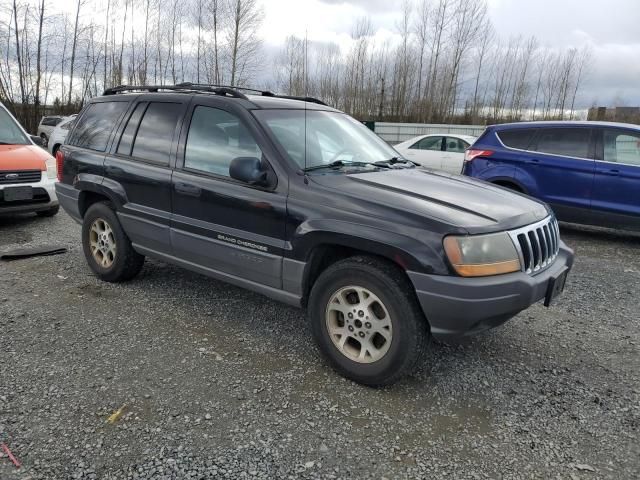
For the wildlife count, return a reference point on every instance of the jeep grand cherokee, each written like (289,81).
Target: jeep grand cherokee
(298,201)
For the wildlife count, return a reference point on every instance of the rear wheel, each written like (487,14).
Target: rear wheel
(45,139)
(106,246)
(366,320)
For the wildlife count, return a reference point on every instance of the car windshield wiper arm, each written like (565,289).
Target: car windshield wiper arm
(392,161)
(340,163)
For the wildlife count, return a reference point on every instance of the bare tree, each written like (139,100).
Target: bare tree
(244,43)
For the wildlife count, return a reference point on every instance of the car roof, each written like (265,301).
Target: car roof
(562,123)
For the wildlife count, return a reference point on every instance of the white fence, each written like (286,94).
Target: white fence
(399,132)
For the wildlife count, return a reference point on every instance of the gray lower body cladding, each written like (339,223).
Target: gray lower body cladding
(457,307)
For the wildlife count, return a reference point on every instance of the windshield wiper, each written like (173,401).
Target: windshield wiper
(393,161)
(340,163)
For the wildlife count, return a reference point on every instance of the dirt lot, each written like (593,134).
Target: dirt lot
(217,382)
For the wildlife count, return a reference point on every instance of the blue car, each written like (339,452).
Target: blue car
(588,172)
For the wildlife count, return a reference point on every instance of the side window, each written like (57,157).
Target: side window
(96,124)
(569,142)
(155,134)
(215,138)
(428,143)
(455,145)
(126,140)
(518,138)
(622,146)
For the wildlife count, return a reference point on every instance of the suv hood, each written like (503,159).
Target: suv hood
(22,157)
(463,202)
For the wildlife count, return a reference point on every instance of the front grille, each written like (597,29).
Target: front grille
(20,176)
(537,244)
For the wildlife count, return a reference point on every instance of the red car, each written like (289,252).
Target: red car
(27,172)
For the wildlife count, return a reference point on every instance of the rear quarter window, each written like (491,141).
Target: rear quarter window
(519,138)
(94,127)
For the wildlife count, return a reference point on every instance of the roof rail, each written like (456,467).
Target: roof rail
(205,85)
(210,88)
(183,87)
(302,99)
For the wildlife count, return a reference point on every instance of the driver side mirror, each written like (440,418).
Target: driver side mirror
(37,140)
(249,170)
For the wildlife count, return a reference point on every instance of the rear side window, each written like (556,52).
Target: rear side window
(456,145)
(518,138)
(568,142)
(622,146)
(155,132)
(96,124)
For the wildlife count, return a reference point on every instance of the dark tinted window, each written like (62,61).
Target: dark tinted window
(126,140)
(519,138)
(456,145)
(155,134)
(215,138)
(569,142)
(428,143)
(95,125)
(622,146)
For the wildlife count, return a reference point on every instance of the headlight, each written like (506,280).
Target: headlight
(52,170)
(482,255)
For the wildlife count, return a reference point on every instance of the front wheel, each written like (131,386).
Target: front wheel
(366,320)
(106,246)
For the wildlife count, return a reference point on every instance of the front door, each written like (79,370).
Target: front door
(563,168)
(219,223)
(616,190)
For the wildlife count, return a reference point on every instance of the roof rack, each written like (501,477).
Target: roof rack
(210,88)
(182,87)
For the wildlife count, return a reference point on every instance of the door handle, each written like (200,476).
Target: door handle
(613,172)
(533,161)
(188,189)
(114,170)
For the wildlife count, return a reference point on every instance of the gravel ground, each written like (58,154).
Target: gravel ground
(217,382)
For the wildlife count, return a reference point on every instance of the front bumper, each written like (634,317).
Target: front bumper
(46,197)
(457,307)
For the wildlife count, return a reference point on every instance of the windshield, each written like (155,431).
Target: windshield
(330,137)
(10,132)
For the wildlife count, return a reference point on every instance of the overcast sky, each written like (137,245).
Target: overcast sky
(611,27)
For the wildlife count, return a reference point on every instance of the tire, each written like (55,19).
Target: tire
(392,307)
(115,260)
(49,213)
(45,139)
(55,149)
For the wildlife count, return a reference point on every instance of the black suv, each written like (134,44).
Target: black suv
(298,201)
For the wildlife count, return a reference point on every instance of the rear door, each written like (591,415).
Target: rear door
(562,167)
(453,155)
(427,152)
(616,190)
(139,167)
(225,226)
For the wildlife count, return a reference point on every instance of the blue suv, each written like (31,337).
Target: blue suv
(589,172)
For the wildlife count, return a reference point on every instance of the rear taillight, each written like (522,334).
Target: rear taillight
(59,163)
(472,153)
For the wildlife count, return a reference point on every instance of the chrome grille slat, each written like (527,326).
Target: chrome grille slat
(20,176)
(538,244)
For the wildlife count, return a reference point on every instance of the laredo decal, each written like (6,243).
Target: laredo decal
(242,243)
